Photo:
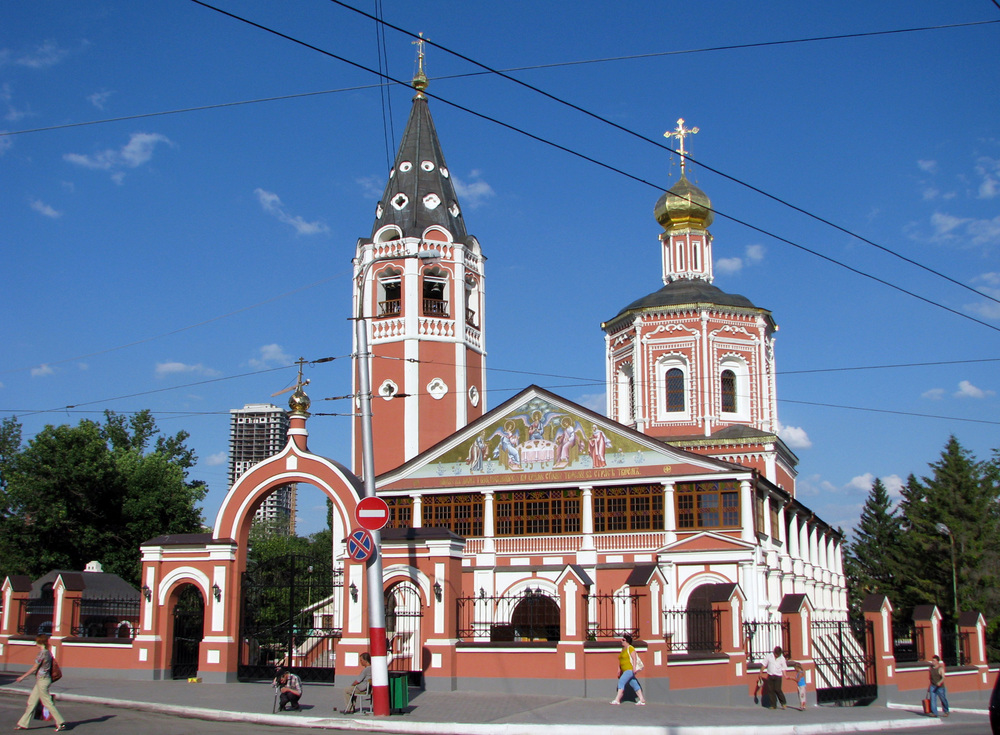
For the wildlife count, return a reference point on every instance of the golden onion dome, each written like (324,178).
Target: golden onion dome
(684,205)
(299,402)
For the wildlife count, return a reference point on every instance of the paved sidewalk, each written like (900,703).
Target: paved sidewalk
(471,713)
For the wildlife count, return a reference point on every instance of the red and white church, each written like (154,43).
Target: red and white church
(523,540)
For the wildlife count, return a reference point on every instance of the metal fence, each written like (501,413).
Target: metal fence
(532,615)
(34,616)
(908,643)
(954,646)
(760,638)
(694,632)
(108,617)
(612,616)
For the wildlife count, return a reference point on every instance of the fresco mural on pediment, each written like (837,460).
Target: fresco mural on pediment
(540,437)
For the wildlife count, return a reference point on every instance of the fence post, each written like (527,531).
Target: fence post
(927,619)
(878,611)
(16,590)
(972,628)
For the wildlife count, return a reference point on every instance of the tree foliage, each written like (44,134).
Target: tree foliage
(906,552)
(871,560)
(93,491)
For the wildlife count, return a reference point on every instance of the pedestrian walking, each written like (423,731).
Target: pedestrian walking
(40,692)
(936,690)
(775,667)
(629,664)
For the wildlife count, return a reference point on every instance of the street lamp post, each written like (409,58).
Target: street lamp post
(942,528)
(376,601)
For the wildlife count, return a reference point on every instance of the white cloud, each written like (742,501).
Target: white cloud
(474,193)
(945,224)
(216,460)
(934,394)
(272,355)
(371,186)
(136,152)
(41,57)
(271,204)
(794,436)
(44,209)
(929,167)
(894,485)
(97,99)
(755,253)
(163,369)
(596,402)
(41,371)
(12,114)
(861,482)
(968,390)
(727,266)
(988,170)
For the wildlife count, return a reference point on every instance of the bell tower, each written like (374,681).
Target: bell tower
(691,364)
(419,285)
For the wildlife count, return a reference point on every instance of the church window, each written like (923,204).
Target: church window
(707,505)
(675,390)
(400,512)
(461,514)
(626,395)
(695,260)
(734,388)
(455,211)
(628,508)
(388,234)
(435,292)
(537,512)
(728,391)
(427,165)
(471,302)
(432,200)
(775,521)
(399,201)
(389,293)
(680,255)
(405,166)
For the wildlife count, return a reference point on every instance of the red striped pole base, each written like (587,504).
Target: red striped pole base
(380,672)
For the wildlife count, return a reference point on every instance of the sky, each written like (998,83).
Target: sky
(181,262)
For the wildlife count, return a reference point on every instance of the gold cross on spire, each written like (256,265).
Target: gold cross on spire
(420,79)
(299,382)
(681,133)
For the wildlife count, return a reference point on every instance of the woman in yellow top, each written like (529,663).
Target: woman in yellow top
(626,672)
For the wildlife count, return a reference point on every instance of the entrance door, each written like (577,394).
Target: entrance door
(290,616)
(189,628)
(402,628)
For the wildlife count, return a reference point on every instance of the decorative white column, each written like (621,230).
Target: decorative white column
(489,530)
(748,532)
(586,555)
(418,511)
(669,512)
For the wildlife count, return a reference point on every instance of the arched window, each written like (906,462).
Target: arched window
(728,391)
(435,292)
(389,293)
(703,624)
(626,395)
(471,302)
(675,390)
(536,617)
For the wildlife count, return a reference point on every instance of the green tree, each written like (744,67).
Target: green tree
(95,492)
(962,494)
(871,558)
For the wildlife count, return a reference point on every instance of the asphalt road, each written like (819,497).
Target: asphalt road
(89,719)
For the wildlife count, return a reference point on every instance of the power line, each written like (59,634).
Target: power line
(600,163)
(659,144)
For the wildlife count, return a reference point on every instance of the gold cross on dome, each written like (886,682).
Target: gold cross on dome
(681,133)
(419,43)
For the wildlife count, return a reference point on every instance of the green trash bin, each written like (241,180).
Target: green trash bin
(399,691)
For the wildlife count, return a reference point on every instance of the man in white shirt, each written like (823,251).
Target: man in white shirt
(775,667)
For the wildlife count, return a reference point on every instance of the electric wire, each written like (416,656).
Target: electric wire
(489,70)
(603,164)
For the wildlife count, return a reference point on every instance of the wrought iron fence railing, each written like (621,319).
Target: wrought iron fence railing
(532,615)
(694,632)
(35,616)
(612,616)
(760,637)
(908,643)
(110,617)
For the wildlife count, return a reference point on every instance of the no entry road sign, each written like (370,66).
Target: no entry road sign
(372,513)
(360,545)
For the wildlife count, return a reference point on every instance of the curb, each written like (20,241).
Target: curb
(404,727)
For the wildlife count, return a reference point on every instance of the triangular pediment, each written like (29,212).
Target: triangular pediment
(538,437)
(707,541)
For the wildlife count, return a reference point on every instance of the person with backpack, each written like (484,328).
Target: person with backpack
(43,671)
(629,664)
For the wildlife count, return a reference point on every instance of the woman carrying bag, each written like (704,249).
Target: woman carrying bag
(43,680)
(628,664)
